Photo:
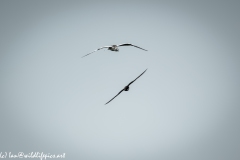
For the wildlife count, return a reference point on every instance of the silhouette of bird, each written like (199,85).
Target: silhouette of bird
(115,48)
(126,88)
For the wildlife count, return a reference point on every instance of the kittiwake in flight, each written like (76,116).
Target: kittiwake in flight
(115,48)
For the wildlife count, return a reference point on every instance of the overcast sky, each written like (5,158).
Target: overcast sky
(185,107)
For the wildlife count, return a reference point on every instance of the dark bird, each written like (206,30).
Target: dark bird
(115,48)
(126,88)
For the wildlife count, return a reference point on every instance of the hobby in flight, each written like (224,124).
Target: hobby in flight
(126,88)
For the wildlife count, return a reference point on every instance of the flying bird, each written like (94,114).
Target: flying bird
(115,48)
(126,88)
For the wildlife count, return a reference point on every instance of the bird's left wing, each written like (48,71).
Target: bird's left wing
(128,44)
(115,96)
(137,78)
(96,50)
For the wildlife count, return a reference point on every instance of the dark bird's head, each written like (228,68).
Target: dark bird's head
(126,88)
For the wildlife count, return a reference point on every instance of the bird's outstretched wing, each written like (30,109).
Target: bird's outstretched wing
(96,50)
(115,96)
(137,78)
(128,44)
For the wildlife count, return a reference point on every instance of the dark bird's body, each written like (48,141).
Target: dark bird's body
(126,88)
(115,48)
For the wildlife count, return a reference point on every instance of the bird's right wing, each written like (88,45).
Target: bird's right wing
(96,50)
(136,78)
(128,44)
(115,96)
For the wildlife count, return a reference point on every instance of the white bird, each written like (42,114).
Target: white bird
(115,48)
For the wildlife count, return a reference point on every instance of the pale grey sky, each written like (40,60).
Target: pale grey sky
(185,107)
